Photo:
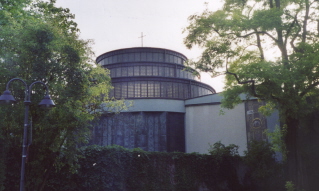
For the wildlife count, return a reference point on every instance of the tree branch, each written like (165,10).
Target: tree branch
(310,87)
(271,4)
(260,32)
(253,87)
(245,82)
(259,46)
(296,35)
(305,22)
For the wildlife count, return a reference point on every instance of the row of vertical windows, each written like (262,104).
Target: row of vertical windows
(142,56)
(151,70)
(156,89)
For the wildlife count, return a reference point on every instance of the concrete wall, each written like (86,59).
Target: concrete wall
(157,105)
(204,125)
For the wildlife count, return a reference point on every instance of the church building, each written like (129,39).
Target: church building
(172,110)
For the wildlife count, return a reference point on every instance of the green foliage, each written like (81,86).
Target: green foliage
(277,140)
(267,109)
(220,150)
(245,35)
(290,186)
(265,172)
(117,168)
(260,156)
(40,42)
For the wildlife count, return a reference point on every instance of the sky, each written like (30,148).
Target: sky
(117,24)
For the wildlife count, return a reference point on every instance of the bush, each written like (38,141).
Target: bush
(264,172)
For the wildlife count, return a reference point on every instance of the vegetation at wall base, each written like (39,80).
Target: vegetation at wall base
(120,169)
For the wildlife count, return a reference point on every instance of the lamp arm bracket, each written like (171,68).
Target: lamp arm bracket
(46,87)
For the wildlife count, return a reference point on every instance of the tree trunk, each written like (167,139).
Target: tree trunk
(293,163)
(308,145)
(302,141)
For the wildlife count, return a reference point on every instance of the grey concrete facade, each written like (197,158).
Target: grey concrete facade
(207,123)
(204,125)
(157,105)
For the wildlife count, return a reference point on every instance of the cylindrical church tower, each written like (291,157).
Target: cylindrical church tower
(158,83)
(151,73)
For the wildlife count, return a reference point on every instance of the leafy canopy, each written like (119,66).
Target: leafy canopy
(40,42)
(271,45)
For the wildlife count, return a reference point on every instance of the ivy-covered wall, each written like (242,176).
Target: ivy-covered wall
(118,169)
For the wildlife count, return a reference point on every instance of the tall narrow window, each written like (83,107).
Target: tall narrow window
(149,71)
(131,56)
(130,89)
(125,57)
(120,57)
(160,57)
(117,90)
(143,56)
(143,70)
(112,93)
(161,71)
(157,90)
(166,71)
(124,71)
(118,72)
(130,70)
(124,90)
(155,70)
(171,72)
(163,89)
(137,57)
(167,57)
(113,72)
(137,89)
(136,70)
(155,57)
(149,57)
(169,87)
(175,90)
(144,89)
(150,89)
(181,91)
(171,58)
(176,59)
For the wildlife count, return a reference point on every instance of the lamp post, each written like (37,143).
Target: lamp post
(46,102)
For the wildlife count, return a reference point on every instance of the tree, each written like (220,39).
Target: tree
(40,42)
(269,50)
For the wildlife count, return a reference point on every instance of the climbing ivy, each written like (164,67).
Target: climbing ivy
(116,168)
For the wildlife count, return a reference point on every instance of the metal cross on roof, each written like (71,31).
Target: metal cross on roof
(142,38)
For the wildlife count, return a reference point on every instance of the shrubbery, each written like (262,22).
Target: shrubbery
(116,168)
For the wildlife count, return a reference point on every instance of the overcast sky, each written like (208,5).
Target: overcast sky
(117,24)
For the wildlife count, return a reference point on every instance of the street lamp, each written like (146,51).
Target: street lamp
(46,102)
